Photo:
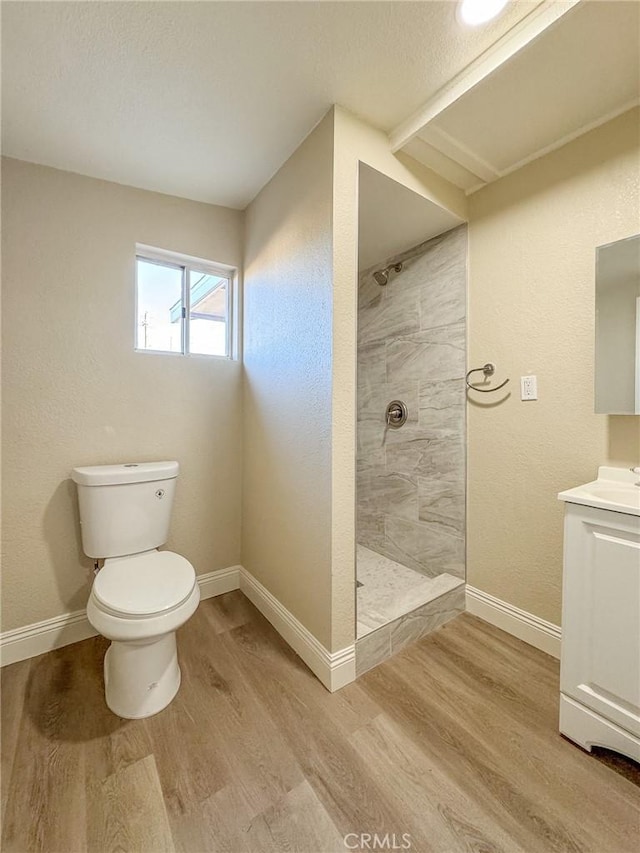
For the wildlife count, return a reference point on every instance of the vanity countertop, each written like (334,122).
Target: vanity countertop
(615,489)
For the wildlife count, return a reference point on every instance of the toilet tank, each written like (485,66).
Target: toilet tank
(125,509)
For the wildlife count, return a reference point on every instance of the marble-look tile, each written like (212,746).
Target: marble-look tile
(372,462)
(425,619)
(370,438)
(379,572)
(370,528)
(390,590)
(442,502)
(415,474)
(429,260)
(431,547)
(373,649)
(398,554)
(389,493)
(440,458)
(434,354)
(442,407)
(373,433)
(389,317)
(443,297)
(373,400)
(442,422)
(372,365)
(442,395)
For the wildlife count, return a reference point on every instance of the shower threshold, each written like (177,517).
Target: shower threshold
(390,590)
(397,606)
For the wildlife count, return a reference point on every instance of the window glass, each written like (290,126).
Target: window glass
(208,314)
(159,319)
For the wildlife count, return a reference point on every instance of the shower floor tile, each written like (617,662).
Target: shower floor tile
(390,590)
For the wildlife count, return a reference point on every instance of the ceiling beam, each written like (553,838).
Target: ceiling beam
(542,17)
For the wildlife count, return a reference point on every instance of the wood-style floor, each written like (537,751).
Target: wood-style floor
(453,742)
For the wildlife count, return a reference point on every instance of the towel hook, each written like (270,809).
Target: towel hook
(488,369)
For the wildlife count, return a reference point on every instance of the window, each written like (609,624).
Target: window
(183,305)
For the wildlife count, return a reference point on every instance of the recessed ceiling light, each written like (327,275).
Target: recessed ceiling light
(474,12)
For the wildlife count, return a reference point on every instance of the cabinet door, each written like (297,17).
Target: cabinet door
(600,664)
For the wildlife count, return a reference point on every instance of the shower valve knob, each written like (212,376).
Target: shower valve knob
(396,414)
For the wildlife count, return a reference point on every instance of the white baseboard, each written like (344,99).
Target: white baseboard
(525,626)
(41,637)
(333,669)
(217,583)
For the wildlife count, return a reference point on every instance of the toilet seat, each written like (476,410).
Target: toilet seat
(141,586)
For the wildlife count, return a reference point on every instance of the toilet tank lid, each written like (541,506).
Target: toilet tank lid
(127,472)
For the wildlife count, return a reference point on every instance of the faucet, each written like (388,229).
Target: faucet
(636,470)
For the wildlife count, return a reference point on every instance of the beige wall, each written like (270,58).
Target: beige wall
(76,393)
(532,242)
(287,399)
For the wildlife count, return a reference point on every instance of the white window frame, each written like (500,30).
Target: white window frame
(187,264)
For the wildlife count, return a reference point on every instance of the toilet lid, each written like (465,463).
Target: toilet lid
(153,582)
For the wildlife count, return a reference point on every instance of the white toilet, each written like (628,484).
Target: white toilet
(141,596)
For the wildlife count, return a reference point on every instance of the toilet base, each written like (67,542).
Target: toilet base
(141,677)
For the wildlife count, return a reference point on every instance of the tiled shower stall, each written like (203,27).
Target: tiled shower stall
(411,480)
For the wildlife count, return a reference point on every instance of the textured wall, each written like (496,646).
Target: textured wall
(412,346)
(286,540)
(532,242)
(76,393)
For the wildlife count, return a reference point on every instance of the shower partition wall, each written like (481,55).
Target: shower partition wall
(411,481)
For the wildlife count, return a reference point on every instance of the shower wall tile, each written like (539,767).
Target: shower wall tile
(372,364)
(378,320)
(374,460)
(428,355)
(442,502)
(373,399)
(412,346)
(390,494)
(443,303)
(439,458)
(370,526)
(432,545)
(370,443)
(442,408)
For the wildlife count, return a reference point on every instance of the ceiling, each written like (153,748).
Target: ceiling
(579,70)
(393,218)
(206,100)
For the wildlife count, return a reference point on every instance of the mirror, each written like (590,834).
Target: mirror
(617,363)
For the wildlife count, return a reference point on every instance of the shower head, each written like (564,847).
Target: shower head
(382,276)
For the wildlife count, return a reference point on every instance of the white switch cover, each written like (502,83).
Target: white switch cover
(528,387)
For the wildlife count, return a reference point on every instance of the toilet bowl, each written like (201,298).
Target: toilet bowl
(140,596)
(138,603)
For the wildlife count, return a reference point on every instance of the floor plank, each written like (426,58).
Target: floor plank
(126,812)
(453,741)
(13,682)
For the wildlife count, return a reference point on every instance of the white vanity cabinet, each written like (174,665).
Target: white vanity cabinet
(600,658)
